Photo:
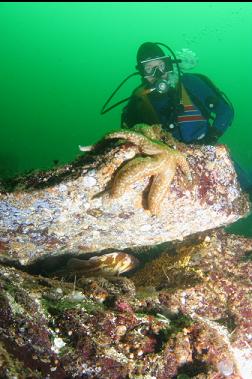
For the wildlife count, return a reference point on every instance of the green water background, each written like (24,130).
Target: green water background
(60,62)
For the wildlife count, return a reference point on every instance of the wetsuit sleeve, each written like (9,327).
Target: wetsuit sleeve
(210,100)
(224,116)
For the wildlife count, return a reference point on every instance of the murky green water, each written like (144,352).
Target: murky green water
(60,62)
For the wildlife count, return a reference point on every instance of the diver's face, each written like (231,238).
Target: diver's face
(154,70)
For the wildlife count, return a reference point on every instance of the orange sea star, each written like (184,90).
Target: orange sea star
(159,161)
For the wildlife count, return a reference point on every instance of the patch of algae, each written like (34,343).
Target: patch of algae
(13,368)
(171,269)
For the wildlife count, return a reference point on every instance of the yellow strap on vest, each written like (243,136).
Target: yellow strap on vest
(185,97)
(147,109)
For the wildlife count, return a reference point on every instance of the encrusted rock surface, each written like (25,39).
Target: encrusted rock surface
(186,314)
(68,209)
(211,282)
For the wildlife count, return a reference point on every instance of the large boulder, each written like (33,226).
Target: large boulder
(69,210)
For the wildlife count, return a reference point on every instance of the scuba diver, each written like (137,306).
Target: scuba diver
(182,104)
(187,105)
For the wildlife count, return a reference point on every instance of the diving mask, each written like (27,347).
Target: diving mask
(156,67)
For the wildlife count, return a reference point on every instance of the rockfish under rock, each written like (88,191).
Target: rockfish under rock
(105,265)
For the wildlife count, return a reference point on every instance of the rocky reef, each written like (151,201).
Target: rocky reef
(144,285)
(186,314)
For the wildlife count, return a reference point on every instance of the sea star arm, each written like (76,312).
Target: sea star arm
(133,171)
(146,145)
(160,187)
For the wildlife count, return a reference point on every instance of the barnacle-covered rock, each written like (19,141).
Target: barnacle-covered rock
(69,210)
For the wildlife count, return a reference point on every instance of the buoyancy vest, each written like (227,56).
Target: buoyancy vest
(201,99)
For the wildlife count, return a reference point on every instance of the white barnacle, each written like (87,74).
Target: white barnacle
(58,343)
(89,181)
(145,228)
(226,367)
(63,188)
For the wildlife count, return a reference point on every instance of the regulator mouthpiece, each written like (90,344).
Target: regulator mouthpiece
(161,86)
